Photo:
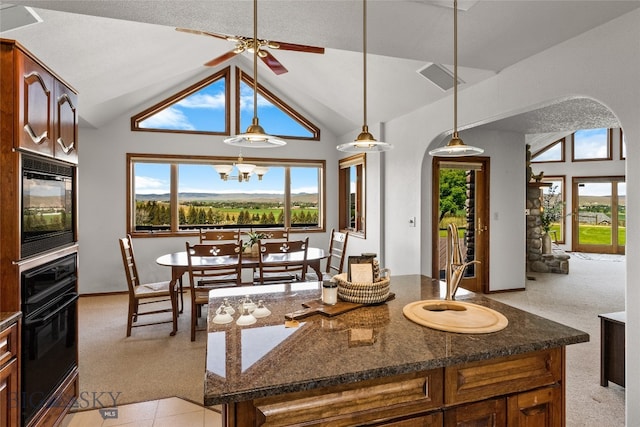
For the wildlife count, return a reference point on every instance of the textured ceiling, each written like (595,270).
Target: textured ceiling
(119,54)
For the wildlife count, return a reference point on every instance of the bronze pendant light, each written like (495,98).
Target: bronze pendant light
(255,136)
(456,147)
(364,142)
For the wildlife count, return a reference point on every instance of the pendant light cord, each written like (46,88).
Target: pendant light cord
(364,58)
(255,61)
(455,68)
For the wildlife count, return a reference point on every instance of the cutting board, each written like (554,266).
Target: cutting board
(316,306)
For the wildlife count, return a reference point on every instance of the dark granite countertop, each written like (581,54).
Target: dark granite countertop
(8,318)
(263,359)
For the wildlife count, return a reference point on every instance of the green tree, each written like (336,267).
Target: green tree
(453,191)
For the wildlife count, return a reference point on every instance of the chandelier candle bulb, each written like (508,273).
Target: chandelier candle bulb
(329,293)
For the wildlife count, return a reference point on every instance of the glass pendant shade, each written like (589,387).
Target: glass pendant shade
(365,142)
(456,148)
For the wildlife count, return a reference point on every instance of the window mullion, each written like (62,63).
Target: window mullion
(287,196)
(173,199)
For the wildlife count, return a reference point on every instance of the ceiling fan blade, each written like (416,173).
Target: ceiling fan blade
(222,58)
(295,47)
(273,63)
(205,33)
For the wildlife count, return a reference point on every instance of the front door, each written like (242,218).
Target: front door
(461,196)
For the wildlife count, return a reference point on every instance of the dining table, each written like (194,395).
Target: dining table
(179,266)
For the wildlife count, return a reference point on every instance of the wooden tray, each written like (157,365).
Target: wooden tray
(316,306)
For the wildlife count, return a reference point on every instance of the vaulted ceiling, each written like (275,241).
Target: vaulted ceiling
(119,54)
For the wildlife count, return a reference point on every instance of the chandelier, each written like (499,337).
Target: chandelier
(245,170)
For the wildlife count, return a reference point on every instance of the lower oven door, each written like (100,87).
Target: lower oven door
(49,351)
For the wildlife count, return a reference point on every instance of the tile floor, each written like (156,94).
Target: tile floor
(169,412)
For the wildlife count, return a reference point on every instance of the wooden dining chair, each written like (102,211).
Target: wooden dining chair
(144,293)
(283,261)
(211,265)
(219,236)
(337,254)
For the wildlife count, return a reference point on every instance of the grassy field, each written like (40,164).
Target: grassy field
(589,234)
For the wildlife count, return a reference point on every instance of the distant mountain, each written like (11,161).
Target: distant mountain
(235,197)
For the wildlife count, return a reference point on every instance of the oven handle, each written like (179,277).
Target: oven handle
(42,320)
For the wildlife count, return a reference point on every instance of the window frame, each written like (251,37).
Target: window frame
(591,159)
(166,103)
(242,77)
(622,146)
(175,160)
(344,183)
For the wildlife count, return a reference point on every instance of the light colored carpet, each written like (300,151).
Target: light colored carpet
(152,365)
(148,365)
(594,285)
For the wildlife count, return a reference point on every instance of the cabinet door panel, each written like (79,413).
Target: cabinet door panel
(34,110)
(431,420)
(537,408)
(490,413)
(66,124)
(9,416)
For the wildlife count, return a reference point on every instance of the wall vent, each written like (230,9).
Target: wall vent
(439,76)
(14,16)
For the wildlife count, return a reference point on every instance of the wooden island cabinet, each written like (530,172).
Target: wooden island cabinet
(322,373)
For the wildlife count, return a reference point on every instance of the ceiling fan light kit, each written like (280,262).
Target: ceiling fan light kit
(456,147)
(255,136)
(364,142)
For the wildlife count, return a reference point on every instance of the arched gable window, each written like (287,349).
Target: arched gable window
(276,117)
(204,108)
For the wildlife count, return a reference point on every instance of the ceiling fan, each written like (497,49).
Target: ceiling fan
(246,44)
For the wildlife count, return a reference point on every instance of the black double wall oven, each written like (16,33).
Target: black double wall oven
(49,339)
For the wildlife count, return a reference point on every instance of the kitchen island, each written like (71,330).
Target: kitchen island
(372,366)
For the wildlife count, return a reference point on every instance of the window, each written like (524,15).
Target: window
(168,195)
(591,144)
(623,146)
(554,202)
(276,117)
(553,152)
(204,108)
(351,203)
(201,108)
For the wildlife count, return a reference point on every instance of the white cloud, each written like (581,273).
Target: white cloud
(169,118)
(212,102)
(246,99)
(149,185)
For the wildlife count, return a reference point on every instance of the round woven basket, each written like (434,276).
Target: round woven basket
(362,293)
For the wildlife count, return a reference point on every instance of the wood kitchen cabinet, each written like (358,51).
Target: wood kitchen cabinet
(520,390)
(9,374)
(44,106)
